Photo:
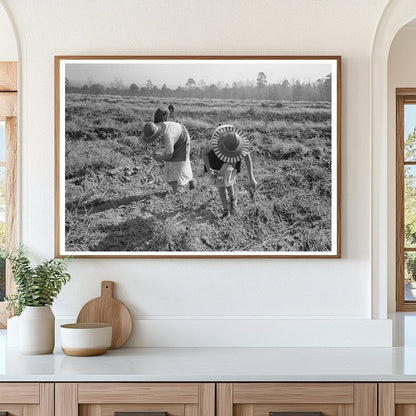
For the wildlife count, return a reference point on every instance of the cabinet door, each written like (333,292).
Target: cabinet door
(26,399)
(142,399)
(397,399)
(297,399)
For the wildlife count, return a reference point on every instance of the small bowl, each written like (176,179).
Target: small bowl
(84,340)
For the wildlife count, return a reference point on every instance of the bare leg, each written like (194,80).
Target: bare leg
(231,192)
(224,202)
(233,198)
(223,197)
(174,186)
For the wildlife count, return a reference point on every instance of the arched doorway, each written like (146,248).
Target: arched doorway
(396,15)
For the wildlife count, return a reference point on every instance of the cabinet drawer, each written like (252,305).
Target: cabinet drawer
(146,399)
(296,399)
(138,393)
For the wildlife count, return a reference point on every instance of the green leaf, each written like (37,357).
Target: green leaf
(35,286)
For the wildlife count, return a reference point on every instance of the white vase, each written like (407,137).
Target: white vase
(37,330)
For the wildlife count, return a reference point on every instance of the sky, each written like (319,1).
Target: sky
(409,119)
(175,73)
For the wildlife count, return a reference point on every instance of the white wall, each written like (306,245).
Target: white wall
(401,74)
(201,299)
(8,47)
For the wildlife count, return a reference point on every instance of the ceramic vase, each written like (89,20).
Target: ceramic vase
(37,330)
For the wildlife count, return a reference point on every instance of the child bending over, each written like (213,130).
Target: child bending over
(222,158)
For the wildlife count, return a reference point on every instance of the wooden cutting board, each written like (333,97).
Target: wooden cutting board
(108,310)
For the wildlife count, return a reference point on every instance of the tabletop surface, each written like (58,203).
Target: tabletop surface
(214,365)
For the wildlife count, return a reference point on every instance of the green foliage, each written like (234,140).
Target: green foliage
(410,206)
(410,269)
(35,286)
(410,146)
(2,234)
(410,191)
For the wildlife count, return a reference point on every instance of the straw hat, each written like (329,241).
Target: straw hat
(229,144)
(152,132)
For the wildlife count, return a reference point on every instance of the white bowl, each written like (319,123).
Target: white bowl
(83,340)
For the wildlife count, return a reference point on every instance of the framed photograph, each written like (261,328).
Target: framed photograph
(198,156)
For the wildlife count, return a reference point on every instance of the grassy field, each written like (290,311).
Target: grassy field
(117,200)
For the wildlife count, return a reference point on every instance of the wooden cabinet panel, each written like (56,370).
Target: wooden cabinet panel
(27,399)
(293,393)
(19,393)
(102,399)
(397,399)
(66,399)
(365,399)
(110,409)
(138,393)
(332,399)
(386,403)
(405,393)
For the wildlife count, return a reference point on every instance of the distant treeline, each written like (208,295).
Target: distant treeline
(284,91)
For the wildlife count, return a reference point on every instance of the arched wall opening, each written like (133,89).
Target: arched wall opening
(401,74)
(396,15)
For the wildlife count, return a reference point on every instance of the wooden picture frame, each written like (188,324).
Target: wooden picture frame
(405,284)
(113,200)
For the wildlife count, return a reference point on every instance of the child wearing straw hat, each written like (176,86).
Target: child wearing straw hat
(222,158)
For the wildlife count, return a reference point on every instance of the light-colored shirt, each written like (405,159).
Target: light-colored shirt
(172,134)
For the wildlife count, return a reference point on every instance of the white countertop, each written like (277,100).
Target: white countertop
(221,364)
(215,364)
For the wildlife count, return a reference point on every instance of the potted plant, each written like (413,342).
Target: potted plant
(36,289)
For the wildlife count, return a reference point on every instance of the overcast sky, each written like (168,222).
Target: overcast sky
(176,73)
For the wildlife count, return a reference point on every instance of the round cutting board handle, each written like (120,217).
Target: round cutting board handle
(107,288)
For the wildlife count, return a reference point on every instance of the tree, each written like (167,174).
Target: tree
(190,83)
(410,206)
(410,190)
(149,84)
(117,84)
(202,84)
(165,90)
(410,146)
(134,89)
(97,89)
(261,79)
(324,87)
(297,90)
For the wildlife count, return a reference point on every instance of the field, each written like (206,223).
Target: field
(117,200)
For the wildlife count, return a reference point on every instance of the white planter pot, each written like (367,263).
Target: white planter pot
(37,330)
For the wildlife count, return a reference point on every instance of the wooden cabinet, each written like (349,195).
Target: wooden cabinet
(208,399)
(108,399)
(397,399)
(27,399)
(264,399)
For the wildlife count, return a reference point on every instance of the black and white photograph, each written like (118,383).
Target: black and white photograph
(198,156)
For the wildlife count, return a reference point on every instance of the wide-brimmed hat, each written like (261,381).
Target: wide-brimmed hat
(152,132)
(229,144)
